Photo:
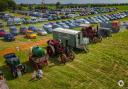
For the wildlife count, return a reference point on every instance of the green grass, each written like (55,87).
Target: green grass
(101,68)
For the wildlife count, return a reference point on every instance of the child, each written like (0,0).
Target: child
(3,84)
(39,74)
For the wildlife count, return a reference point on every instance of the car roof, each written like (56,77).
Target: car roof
(67,31)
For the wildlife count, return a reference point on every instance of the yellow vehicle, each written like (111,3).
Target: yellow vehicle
(31,35)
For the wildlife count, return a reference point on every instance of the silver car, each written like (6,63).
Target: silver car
(41,32)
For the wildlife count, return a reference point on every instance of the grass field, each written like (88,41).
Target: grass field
(101,68)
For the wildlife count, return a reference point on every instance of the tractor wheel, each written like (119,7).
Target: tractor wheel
(24,70)
(63,58)
(46,60)
(14,74)
(71,55)
(97,39)
(50,50)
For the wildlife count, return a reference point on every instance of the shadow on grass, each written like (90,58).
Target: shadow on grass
(5,40)
(7,71)
(30,68)
(54,62)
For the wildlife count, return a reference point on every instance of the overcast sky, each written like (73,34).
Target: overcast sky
(71,1)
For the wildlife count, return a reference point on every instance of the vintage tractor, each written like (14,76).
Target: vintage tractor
(91,33)
(38,57)
(115,26)
(14,64)
(105,32)
(55,47)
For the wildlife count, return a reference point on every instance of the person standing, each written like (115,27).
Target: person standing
(3,84)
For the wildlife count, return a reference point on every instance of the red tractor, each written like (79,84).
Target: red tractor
(91,33)
(55,47)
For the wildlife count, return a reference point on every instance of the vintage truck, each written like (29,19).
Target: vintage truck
(71,38)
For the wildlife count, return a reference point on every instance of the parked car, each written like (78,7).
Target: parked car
(31,35)
(23,30)
(9,37)
(55,25)
(41,32)
(33,20)
(32,28)
(63,25)
(48,28)
(10,22)
(14,30)
(2,33)
(25,21)
(70,24)
(17,21)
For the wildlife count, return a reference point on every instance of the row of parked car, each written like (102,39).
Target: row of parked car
(57,14)
(12,20)
(31,32)
(69,24)
(97,10)
(49,15)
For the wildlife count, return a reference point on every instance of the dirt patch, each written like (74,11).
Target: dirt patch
(24,46)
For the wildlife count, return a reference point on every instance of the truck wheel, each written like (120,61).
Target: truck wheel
(86,50)
(50,50)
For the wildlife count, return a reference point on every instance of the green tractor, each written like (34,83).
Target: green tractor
(38,57)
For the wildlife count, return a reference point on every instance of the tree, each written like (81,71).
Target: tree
(58,4)
(7,4)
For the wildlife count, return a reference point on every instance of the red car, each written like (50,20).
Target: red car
(2,33)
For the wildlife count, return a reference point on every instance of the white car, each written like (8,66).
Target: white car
(41,32)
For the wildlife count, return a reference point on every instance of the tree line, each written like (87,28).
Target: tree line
(7,4)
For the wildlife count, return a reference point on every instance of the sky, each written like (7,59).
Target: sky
(70,1)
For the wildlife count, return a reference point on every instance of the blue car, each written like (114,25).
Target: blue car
(23,30)
(71,25)
(14,30)
(32,28)
(48,28)
(10,22)
(63,25)
(56,26)
(9,37)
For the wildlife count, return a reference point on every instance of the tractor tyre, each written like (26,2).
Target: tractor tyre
(63,58)
(100,38)
(50,51)
(71,55)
